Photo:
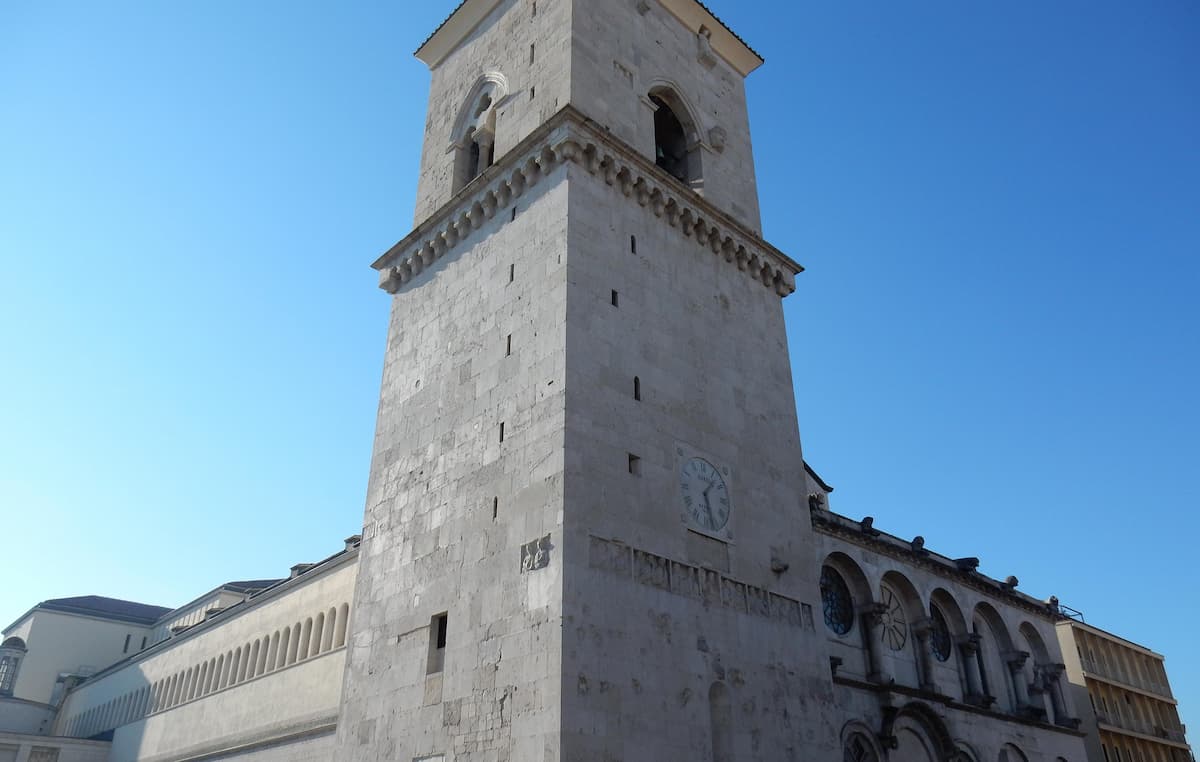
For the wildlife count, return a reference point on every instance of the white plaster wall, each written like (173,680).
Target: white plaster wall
(297,698)
(708,344)
(16,747)
(617,54)
(19,716)
(430,542)
(66,643)
(499,44)
(119,698)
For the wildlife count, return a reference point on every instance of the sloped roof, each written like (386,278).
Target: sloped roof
(106,608)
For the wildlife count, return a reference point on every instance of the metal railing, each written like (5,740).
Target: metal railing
(1120,675)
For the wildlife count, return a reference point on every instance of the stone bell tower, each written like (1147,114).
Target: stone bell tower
(585,534)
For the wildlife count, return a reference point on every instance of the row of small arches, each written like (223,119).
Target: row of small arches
(286,646)
(994,664)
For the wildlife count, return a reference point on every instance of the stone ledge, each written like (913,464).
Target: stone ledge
(569,137)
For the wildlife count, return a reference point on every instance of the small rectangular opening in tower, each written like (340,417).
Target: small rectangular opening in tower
(615,299)
(637,388)
(502,431)
(512,273)
(508,346)
(633,244)
(635,465)
(495,507)
(532,93)
(437,643)
(532,53)
(514,213)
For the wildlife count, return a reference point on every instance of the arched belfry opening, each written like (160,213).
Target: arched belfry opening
(676,138)
(474,136)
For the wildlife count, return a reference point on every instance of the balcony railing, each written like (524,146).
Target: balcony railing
(1121,676)
(1137,726)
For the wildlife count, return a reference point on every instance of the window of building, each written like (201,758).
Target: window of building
(858,749)
(635,465)
(437,643)
(836,601)
(670,141)
(125,649)
(894,626)
(939,634)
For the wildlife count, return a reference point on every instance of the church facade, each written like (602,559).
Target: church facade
(590,533)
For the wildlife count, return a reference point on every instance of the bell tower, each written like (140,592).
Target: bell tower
(586,534)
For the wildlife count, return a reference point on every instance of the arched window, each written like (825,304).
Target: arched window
(676,137)
(12,651)
(473,137)
(836,601)
(939,634)
(894,627)
(859,749)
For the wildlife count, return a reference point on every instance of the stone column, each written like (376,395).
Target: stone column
(968,647)
(922,629)
(487,142)
(1050,676)
(871,616)
(1016,668)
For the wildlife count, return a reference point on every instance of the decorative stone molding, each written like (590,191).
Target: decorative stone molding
(569,137)
(698,583)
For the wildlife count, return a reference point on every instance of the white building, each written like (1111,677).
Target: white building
(590,533)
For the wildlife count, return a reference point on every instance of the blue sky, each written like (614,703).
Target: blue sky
(994,346)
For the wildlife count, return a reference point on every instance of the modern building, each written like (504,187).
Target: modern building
(590,533)
(1124,697)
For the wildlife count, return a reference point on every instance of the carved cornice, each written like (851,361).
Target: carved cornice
(833,525)
(569,137)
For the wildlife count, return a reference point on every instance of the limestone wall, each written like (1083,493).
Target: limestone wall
(453,503)
(533,89)
(619,55)
(676,641)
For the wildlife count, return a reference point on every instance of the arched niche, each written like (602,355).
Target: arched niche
(948,629)
(994,645)
(859,744)
(678,146)
(920,736)
(720,711)
(902,609)
(473,136)
(1010,753)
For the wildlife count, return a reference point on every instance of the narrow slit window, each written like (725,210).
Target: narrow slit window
(633,244)
(514,213)
(534,7)
(635,465)
(437,644)
(508,346)
(512,273)
(637,388)
(532,53)
(125,650)
(495,507)
(532,93)
(615,299)
(502,431)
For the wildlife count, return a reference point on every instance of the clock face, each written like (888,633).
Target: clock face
(705,496)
